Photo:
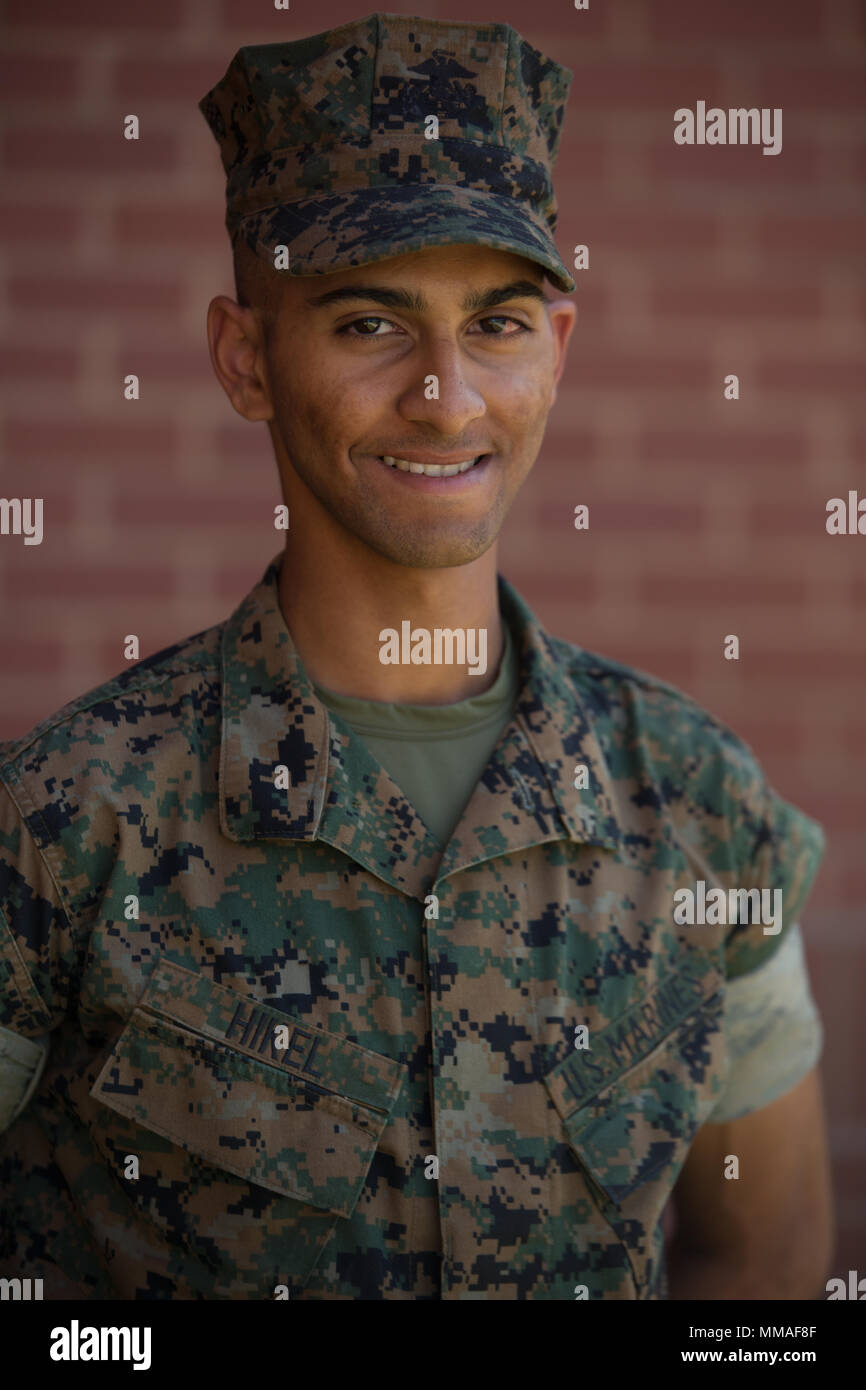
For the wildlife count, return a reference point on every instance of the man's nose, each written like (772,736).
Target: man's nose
(445,390)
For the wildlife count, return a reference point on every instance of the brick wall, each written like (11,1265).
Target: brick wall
(707,516)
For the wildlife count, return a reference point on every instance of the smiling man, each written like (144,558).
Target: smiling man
(402,432)
(326,976)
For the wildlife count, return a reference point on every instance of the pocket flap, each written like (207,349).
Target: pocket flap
(632,1103)
(198,1064)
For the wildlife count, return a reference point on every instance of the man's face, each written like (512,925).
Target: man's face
(400,359)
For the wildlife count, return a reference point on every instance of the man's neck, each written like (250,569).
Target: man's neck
(336,617)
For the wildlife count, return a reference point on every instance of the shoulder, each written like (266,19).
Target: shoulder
(151,694)
(105,754)
(702,785)
(671,754)
(644,722)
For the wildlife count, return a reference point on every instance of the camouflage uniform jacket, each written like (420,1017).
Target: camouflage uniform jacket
(165,906)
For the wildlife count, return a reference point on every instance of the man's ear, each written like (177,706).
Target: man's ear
(562,314)
(236,344)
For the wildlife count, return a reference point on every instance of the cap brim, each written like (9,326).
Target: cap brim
(326,234)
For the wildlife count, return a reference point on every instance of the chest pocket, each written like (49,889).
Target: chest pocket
(632,1104)
(249,1152)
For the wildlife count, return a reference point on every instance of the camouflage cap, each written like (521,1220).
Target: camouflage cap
(326,143)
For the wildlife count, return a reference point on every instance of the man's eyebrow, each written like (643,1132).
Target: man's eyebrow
(417,304)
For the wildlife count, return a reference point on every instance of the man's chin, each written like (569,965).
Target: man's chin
(422,552)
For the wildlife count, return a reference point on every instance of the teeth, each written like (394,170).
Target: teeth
(430,470)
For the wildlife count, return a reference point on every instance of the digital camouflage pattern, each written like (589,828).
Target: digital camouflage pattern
(324,144)
(408,1034)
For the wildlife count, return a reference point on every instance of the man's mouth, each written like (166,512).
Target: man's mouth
(431,470)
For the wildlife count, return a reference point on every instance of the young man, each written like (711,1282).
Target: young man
(343,945)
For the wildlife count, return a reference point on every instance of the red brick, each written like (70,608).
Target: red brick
(548,588)
(39,366)
(617,517)
(640,230)
(198,508)
(33,224)
(53,15)
(173,224)
(87,582)
(230,584)
(30,654)
(638,84)
(804,235)
(843,376)
(854,881)
(834,663)
(235,440)
(65,149)
(590,370)
(788,519)
(724,448)
(272,24)
(853,738)
(564,444)
(580,161)
(591,300)
(774,738)
(173,78)
(61,289)
(663,659)
(741,301)
(41,77)
(725,22)
(86,440)
(795,87)
(723,165)
(20,479)
(723,593)
(165,366)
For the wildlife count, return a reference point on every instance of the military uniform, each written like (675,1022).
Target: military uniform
(166,905)
(296,1042)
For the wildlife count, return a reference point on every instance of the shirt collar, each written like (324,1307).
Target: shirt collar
(290,771)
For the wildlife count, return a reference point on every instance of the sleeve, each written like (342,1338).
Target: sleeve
(759,849)
(773,1031)
(37,954)
(781,850)
(735,832)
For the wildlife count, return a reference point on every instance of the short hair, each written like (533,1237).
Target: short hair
(256,285)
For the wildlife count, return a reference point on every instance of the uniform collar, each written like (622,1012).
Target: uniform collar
(338,793)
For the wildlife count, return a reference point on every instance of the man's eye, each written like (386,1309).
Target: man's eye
(504,318)
(491,318)
(368,318)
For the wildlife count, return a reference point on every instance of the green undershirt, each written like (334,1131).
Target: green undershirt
(435,753)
